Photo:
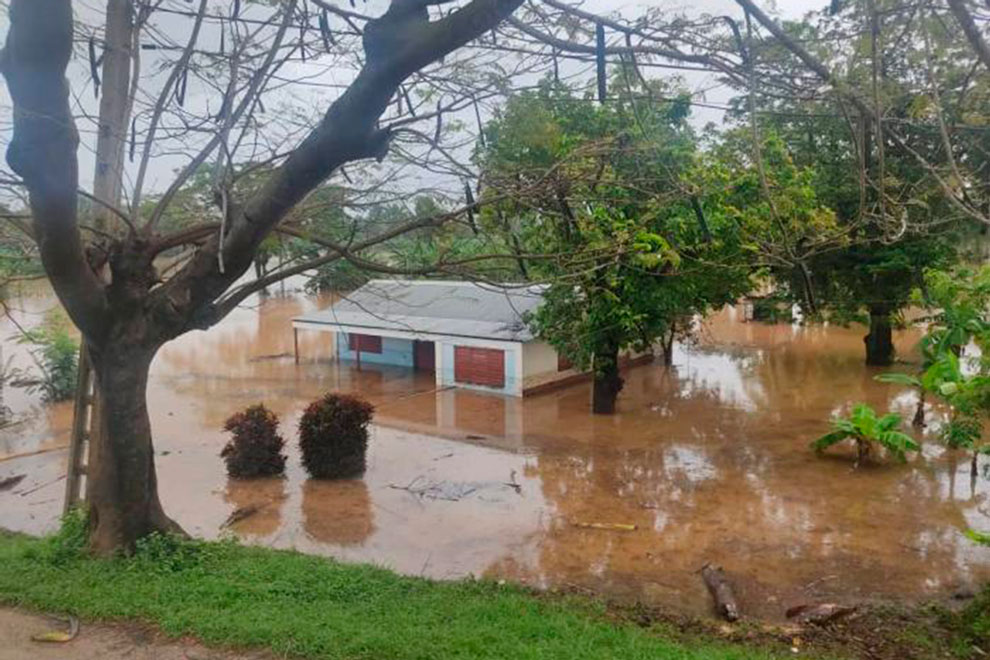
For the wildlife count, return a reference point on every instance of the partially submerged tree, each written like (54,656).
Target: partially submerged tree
(884,138)
(600,203)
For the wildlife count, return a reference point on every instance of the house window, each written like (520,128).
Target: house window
(364,343)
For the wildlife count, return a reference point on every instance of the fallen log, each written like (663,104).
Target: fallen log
(721,590)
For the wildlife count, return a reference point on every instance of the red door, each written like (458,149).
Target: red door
(424,355)
(479,366)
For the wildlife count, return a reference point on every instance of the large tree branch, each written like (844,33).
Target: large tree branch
(43,151)
(397,44)
(589,49)
(971,31)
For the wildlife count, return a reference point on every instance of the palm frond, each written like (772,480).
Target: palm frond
(899,379)
(829,439)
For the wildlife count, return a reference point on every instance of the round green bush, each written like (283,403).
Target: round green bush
(255,450)
(333,436)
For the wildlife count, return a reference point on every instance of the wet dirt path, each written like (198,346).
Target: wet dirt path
(99,642)
(708,460)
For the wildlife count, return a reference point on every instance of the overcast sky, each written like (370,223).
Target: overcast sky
(703,86)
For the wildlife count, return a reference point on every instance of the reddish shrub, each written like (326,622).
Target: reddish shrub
(256,448)
(333,436)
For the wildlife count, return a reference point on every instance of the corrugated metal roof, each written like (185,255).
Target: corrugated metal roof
(465,309)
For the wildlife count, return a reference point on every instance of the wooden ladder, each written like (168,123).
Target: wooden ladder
(82,420)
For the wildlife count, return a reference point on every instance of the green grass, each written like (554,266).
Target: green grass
(294,604)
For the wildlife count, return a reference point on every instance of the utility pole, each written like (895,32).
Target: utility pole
(111,72)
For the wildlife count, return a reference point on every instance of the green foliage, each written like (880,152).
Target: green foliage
(56,354)
(978,537)
(971,627)
(604,198)
(900,379)
(617,305)
(340,275)
(892,219)
(162,554)
(772,309)
(18,260)
(867,430)
(874,276)
(255,450)
(68,543)
(959,301)
(295,605)
(333,436)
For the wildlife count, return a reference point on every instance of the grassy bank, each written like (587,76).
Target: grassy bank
(225,594)
(309,607)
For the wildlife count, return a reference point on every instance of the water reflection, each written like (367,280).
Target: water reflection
(257,504)
(337,512)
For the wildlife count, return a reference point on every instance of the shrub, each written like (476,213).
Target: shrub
(256,448)
(68,544)
(56,355)
(333,436)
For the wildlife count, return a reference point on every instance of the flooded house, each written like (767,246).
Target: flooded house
(469,334)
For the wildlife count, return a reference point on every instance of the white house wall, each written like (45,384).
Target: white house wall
(539,358)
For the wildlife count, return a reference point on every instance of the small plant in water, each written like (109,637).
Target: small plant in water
(56,355)
(868,431)
(978,537)
(333,436)
(255,450)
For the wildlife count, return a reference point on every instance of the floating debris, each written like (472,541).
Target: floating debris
(10,482)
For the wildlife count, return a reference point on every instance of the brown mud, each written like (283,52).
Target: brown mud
(705,462)
(116,641)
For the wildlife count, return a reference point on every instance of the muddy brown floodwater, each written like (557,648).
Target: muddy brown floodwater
(709,460)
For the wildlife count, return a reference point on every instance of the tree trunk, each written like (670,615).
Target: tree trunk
(607,383)
(862,452)
(880,341)
(667,346)
(919,413)
(122,489)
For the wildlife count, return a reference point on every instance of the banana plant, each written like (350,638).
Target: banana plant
(868,430)
(978,537)
(960,300)
(911,381)
(969,398)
